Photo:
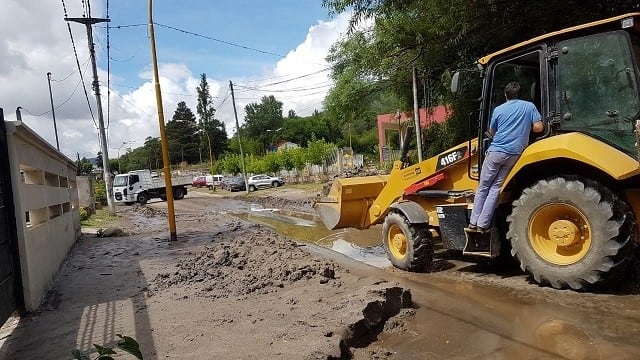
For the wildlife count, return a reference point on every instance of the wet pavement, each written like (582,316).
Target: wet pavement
(469,309)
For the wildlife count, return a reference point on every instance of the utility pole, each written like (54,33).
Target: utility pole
(163,134)
(235,113)
(416,111)
(53,111)
(88,22)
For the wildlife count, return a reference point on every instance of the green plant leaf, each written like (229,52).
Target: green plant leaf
(79,355)
(103,350)
(130,345)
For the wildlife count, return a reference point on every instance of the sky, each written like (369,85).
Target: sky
(265,47)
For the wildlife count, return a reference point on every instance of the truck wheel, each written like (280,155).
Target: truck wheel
(408,246)
(275,184)
(252,188)
(571,233)
(143,198)
(178,193)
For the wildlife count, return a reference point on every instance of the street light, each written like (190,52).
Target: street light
(210,152)
(123,143)
(273,131)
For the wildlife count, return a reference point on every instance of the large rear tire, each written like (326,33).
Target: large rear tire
(178,193)
(571,233)
(408,246)
(143,198)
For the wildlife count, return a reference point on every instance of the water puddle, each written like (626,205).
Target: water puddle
(362,245)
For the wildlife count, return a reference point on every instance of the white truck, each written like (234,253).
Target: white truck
(142,185)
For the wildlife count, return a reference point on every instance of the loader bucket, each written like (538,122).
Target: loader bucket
(348,201)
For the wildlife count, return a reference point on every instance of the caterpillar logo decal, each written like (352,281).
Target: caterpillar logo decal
(451,157)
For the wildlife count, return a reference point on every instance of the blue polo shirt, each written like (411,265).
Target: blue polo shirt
(512,123)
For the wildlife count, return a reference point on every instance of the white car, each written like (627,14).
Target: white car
(262,181)
(214,181)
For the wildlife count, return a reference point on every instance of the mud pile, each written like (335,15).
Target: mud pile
(252,260)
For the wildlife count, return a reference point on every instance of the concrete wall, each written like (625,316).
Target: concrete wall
(46,201)
(86,197)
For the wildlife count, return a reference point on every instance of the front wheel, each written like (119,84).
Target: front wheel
(408,246)
(571,233)
(275,184)
(252,188)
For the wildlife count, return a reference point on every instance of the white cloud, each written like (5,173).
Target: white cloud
(35,42)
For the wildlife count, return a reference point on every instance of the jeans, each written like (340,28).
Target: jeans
(495,169)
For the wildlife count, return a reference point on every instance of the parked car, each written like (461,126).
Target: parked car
(199,181)
(234,184)
(262,181)
(214,181)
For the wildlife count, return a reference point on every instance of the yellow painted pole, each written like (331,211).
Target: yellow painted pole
(163,134)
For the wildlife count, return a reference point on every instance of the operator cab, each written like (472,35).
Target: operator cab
(583,79)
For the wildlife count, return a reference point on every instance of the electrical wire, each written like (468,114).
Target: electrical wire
(75,52)
(108,72)
(73,72)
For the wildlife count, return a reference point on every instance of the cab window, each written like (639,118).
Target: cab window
(597,88)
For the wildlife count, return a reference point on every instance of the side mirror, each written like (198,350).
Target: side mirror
(455,82)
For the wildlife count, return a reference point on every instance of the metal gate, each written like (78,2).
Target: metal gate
(10,282)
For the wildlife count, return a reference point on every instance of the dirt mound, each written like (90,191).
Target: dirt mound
(149,211)
(254,260)
(304,204)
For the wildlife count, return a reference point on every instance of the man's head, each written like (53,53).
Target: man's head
(512,90)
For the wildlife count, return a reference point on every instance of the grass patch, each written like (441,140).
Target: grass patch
(100,219)
(307,186)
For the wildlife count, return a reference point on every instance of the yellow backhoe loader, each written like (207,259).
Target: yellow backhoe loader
(567,210)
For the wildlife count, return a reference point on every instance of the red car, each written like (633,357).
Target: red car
(199,181)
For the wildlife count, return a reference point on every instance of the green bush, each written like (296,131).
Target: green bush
(100,191)
(84,214)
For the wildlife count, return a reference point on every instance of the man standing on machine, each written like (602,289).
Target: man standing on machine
(510,126)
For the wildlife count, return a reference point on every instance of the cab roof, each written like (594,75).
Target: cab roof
(485,59)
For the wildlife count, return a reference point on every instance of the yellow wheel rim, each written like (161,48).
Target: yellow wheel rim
(560,234)
(397,241)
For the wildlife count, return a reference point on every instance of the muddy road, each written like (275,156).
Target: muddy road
(259,277)
(471,308)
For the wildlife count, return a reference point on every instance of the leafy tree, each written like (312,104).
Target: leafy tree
(318,152)
(181,136)
(273,162)
(287,159)
(232,164)
(267,115)
(84,166)
(215,131)
(436,37)
(299,156)
(99,160)
(249,145)
(255,165)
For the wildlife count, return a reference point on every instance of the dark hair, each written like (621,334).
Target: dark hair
(512,90)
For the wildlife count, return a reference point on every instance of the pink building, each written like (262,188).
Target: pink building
(391,124)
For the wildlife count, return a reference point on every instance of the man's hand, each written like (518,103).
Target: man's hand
(537,126)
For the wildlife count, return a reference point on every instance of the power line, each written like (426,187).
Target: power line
(108,75)
(75,52)
(299,77)
(319,86)
(70,74)
(225,42)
